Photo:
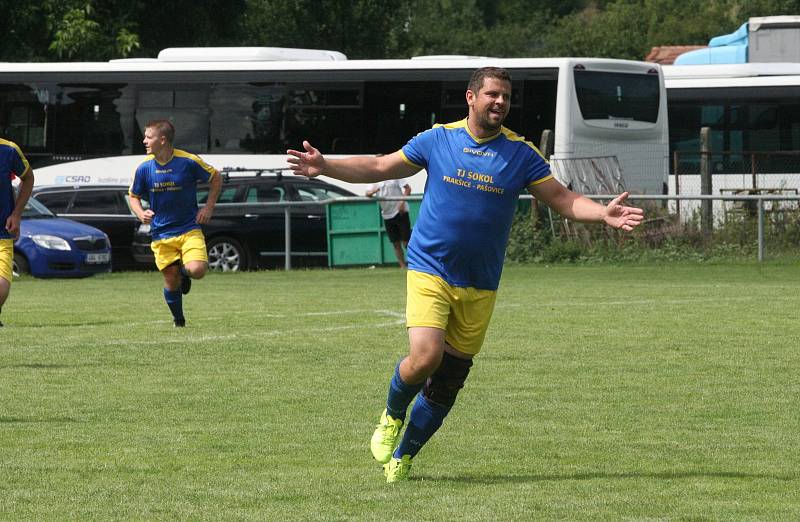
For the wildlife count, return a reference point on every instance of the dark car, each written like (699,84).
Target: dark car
(102,206)
(246,234)
(49,246)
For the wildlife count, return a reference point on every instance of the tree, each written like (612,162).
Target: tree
(80,31)
(357,28)
(629,28)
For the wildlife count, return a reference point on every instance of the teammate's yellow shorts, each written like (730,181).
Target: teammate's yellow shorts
(463,313)
(190,246)
(6,258)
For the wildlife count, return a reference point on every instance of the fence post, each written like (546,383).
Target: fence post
(675,163)
(287,237)
(546,143)
(707,205)
(760,230)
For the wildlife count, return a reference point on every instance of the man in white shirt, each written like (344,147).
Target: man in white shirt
(395,214)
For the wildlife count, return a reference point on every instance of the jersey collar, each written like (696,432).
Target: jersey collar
(477,139)
(170,158)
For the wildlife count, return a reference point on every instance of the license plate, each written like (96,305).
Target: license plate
(93,259)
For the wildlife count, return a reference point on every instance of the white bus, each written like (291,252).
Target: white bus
(753,111)
(243,107)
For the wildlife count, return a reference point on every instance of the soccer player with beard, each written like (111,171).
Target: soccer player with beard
(476,169)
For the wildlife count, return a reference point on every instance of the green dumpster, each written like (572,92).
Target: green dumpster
(356,235)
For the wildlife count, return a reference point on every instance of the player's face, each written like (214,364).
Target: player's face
(153,141)
(491,103)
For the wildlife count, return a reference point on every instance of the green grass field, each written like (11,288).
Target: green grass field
(602,393)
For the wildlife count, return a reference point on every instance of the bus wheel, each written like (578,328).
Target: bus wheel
(20,265)
(225,254)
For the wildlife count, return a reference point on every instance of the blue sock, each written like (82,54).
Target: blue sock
(400,395)
(426,418)
(175,302)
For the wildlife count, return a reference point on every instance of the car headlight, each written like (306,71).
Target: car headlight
(51,242)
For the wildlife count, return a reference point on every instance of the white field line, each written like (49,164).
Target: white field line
(397,319)
(594,303)
(254,335)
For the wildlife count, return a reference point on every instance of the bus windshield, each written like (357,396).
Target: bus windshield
(617,96)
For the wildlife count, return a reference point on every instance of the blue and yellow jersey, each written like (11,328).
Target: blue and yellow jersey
(470,196)
(171,189)
(12,163)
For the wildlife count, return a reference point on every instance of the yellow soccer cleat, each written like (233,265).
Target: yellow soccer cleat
(385,438)
(396,470)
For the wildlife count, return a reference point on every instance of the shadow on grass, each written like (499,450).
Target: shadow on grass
(64,325)
(43,366)
(666,475)
(32,420)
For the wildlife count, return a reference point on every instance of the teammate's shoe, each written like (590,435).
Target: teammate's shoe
(186,282)
(396,470)
(385,438)
(179,323)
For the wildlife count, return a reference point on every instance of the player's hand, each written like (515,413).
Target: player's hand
(204,214)
(12,225)
(147,216)
(309,163)
(620,216)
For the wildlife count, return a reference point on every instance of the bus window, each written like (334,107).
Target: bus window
(187,109)
(88,119)
(396,111)
(538,111)
(23,118)
(26,125)
(617,96)
(248,118)
(329,116)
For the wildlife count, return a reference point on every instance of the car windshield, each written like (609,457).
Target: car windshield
(35,210)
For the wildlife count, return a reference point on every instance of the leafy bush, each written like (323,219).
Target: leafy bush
(542,237)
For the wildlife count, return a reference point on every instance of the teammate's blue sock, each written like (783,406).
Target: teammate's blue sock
(400,395)
(426,418)
(174,300)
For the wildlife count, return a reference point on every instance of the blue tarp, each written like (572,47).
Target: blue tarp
(729,48)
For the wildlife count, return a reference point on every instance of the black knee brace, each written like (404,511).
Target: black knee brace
(442,387)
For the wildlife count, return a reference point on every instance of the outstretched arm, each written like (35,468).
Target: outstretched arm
(576,207)
(358,169)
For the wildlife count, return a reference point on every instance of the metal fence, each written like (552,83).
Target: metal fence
(735,173)
(759,220)
(774,173)
(758,209)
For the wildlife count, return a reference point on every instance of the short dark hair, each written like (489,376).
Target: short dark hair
(476,82)
(164,128)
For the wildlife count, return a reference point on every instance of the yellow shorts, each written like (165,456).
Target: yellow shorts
(6,258)
(190,246)
(463,313)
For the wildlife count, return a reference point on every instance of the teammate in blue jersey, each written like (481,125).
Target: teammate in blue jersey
(168,180)
(12,164)
(476,170)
